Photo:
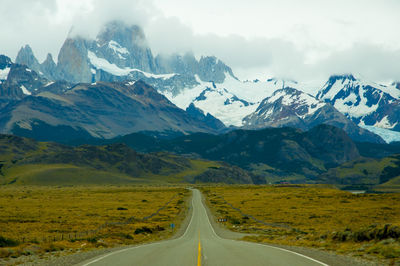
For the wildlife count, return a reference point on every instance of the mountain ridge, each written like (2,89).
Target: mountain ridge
(120,53)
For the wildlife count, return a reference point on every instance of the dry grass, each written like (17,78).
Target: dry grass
(363,224)
(34,220)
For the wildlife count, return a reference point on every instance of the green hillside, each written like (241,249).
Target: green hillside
(25,161)
(366,173)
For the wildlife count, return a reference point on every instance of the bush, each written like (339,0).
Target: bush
(143,230)
(127,236)
(234,221)
(92,240)
(6,242)
(122,209)
(371,233)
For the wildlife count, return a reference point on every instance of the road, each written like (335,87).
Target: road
(200,245)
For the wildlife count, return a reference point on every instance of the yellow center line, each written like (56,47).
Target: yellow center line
(199,253)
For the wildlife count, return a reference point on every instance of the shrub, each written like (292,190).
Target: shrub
(92,240)
(6,242)
(143,230)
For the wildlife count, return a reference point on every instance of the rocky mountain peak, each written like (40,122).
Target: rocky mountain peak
(5,62)
(73,62)
(125,46)
(49,60)
(26,57)
(213,69)
(49,68)
(396,84)
(118,31)
(343,77)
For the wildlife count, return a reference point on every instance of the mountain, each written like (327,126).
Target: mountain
(5,64)
(272,153)
(25,57)
(120,52)
(20,82)
(289,107)
(25,161)
(365,103)
(47,69)
(210,120)
(230,101)
(205,86)
(380,175)
(100,109)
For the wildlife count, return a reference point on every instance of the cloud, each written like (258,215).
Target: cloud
(301,48)
(44,24)
(262,57)
(372,61)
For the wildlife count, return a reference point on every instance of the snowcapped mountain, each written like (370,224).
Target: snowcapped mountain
(366,103)
(289,107)
(5,65)
(230,101)
(18,81)
(100,110)
(204,87)
(285,107)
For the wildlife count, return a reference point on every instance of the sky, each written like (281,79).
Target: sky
(306,40)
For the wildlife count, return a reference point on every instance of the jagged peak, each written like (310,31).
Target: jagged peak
(27,48)
(26,57)
(49,59)
(5,61)
(25,51)
(118,31)
(341,77)
(396,84)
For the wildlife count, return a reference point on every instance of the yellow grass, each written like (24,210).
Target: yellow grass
(312,216)
(56,218)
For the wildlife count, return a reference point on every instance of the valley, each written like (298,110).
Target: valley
(138,140)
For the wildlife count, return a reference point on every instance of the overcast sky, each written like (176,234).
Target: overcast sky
(303,40)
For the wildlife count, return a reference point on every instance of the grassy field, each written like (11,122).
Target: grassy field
(36,220)
(365,225)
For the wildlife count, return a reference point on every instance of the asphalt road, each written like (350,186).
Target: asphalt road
(200,245)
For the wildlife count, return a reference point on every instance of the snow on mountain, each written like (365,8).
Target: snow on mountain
(229,101)
(366,103)
(290,107)
(285,107)
(25,91)
(4,73)
(103,64)
(118,49)
(387,134)
(5,66)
